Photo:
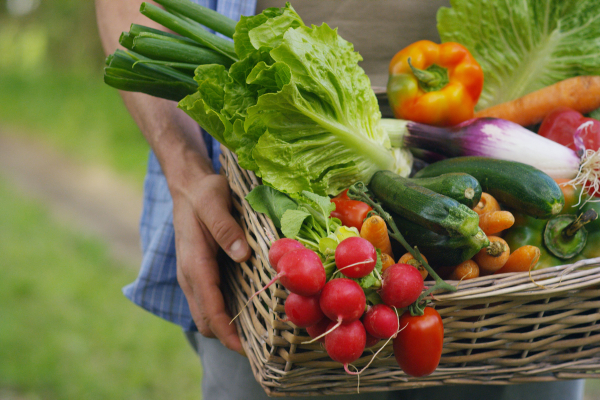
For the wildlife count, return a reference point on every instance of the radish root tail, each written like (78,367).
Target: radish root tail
(254,295)
(589,169)
(333,328)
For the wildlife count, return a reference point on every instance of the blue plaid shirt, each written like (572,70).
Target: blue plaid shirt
(156,288)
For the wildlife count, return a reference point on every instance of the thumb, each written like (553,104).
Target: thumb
(215,214)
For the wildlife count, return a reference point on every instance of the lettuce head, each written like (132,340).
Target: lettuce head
(296,108)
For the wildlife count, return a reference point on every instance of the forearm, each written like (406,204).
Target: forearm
(175,138)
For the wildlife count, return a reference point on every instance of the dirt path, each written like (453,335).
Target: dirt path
(92,199)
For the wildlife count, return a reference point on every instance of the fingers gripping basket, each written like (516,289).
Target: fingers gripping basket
(502,329)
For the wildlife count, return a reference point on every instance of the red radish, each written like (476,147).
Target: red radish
(280,247)
(355,257)
(371,340)
(317,330)
(401,285)
(303,311)
(342,301)
(301,272)
(381,321)
(346,343)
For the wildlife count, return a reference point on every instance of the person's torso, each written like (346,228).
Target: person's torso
(377,28)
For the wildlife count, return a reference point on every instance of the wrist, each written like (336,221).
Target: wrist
(175,138)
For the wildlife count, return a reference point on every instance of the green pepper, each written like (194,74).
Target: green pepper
(530,231)
(565,235)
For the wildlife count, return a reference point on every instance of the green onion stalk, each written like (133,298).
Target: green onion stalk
(162,63)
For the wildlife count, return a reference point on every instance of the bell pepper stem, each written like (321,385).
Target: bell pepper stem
(571,229)
(358,191)
(432,79)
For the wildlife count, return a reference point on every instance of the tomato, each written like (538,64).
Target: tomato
(561,124)
(418,346)
(351,212)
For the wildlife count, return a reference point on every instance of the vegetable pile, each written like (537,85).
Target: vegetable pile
(495,192)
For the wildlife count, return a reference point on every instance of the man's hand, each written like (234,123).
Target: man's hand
(201,199)
(203,223)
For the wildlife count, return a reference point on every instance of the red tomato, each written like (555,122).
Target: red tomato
(351,212)
(561,124)
(418,346)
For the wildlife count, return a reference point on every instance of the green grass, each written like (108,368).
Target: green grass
(67,332)
(75,113)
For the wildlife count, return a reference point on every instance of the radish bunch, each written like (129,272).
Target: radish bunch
(299,270)
(336,313)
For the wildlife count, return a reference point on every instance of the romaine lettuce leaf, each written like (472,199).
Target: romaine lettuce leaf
(297,109)
(524,45)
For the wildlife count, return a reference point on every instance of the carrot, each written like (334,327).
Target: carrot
(375,231)
(386,261)
(408,258)
(465,270)
(493,257)
(581,93)
(522,259)
(496,221)
(486,204)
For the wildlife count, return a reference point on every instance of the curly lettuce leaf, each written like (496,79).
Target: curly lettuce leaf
(524,45)
(296,109)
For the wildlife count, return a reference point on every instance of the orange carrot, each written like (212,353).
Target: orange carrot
(408,258)
(493,257)
(496,221)
(375,231)
(522,259)
(581,93)
(465,270)
(486,204)
(386,261)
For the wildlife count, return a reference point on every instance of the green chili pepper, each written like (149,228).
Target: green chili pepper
(530,231)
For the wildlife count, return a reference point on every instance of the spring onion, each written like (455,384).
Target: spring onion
(500,139)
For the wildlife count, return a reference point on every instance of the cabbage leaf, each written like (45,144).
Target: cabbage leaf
(524,45)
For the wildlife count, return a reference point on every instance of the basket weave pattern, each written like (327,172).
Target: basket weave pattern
(500,329)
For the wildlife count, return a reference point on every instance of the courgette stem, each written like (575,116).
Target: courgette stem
(358,192)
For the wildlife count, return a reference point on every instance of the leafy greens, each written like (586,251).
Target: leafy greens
(524,45)
(306,217)
(296,108)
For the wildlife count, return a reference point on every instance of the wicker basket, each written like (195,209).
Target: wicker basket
(499,329)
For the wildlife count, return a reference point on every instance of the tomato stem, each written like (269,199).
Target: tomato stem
(358,191)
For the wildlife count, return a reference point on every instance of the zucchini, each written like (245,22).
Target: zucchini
(518,186)
(459,186)
(422,206)
(441,250)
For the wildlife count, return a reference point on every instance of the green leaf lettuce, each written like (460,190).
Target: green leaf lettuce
(297,109)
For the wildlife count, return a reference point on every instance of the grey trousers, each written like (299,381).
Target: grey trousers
(227,376)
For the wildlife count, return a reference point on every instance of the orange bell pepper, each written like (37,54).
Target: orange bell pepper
(435,84)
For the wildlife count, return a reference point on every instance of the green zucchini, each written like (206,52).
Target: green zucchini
(459,186)
(422,206)
(518,186)
(441,250)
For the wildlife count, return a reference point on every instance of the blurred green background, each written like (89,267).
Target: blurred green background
(66,331)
